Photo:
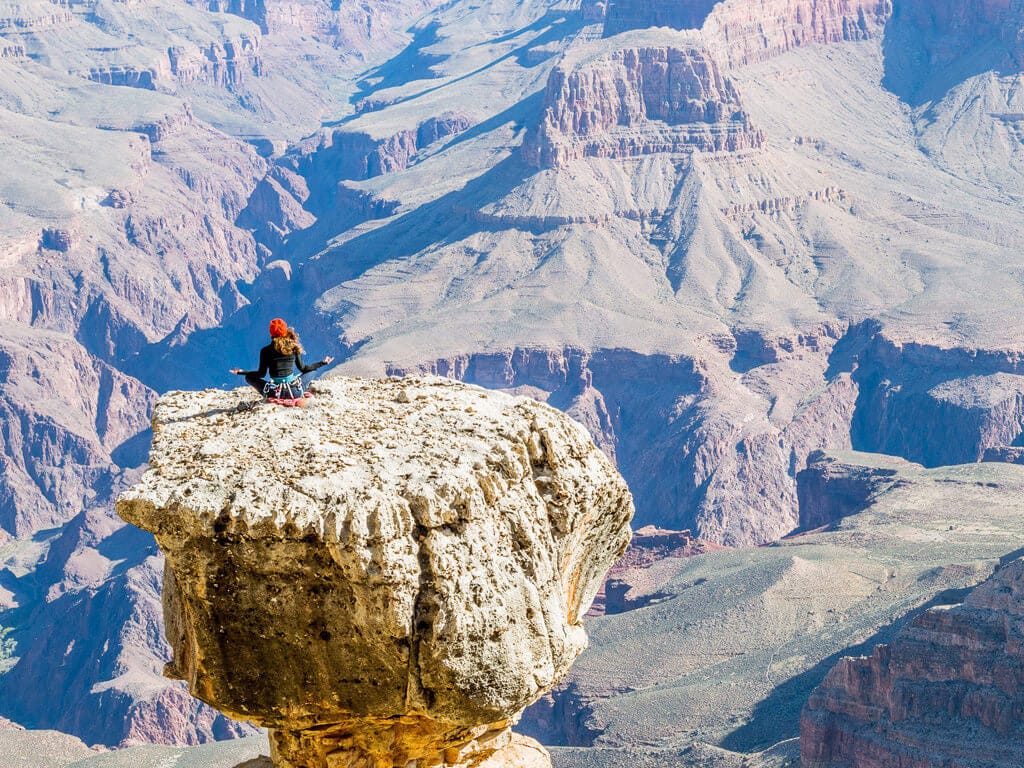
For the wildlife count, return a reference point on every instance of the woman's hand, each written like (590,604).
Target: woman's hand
(236,371)
(328,360)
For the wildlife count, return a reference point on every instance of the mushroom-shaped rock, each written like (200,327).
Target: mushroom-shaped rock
(388,576)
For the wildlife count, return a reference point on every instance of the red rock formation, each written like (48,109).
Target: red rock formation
(123,75)
(972,400)
(948,691)
(787,204)
(344,154)
(27,21)
(226,62)
(741,32)
(122,674)
(638,101)
(50,467)
(745,31)
(253,10)
(831,489)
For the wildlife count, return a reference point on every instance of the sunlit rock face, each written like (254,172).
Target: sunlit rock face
(641,99)
(393,573)
(946,691)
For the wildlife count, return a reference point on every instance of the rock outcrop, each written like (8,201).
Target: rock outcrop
(253,10)
(971,401)
(348,154)
(948,690)
(742,32)
(639,101)
(389,576)
(830,488)
(11,50)
(126,76)
(31,17)
(226,62)
(650,545)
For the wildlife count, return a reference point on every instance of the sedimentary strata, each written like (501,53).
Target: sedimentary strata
(637,100)
(947,690)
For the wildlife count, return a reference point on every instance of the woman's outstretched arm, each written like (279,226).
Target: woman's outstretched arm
(312,366)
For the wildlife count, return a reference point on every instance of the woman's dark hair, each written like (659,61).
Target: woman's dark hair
(288,344)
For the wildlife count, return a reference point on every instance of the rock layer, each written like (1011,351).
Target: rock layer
(638,101)
(391,575)
(742,32)
(949,690)
(830,489)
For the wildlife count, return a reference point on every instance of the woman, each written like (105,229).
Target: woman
(282,360)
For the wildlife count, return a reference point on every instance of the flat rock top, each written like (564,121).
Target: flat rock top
(357,441)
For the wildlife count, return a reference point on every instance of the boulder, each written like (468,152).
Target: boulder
(387,576)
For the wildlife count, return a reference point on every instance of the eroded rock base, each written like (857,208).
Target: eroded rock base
(408,743)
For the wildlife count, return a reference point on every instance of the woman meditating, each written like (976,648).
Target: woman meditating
(282,360)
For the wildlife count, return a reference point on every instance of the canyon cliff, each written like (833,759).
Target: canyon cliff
(945,691)
(715,653)
(639,101)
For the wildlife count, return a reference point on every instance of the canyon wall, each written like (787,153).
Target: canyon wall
(742,32)
(830,488)
(946,691)
(929,44)
(225,63)
(689,461)
(937,406)
(638,101)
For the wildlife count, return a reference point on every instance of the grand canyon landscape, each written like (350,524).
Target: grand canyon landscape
(768,253)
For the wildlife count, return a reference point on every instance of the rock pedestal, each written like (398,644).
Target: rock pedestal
(385,578)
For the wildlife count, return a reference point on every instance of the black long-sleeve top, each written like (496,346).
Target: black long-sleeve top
(280,365)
